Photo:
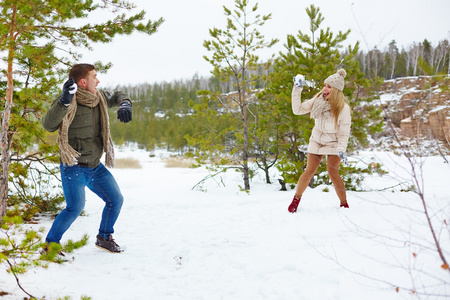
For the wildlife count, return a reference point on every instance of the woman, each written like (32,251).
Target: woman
(332,116)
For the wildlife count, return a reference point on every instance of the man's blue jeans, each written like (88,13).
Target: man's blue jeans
(74,181)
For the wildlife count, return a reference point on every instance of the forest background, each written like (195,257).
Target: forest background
(200,117)
(238,118)
(162,114)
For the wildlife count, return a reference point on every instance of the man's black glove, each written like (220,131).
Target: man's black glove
(124,112)
(69,89)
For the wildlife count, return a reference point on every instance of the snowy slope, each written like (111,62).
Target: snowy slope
(226,244)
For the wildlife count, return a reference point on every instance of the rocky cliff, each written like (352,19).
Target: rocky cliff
(418,106)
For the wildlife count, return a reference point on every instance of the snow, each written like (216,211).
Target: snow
(438,108)
(223,243)
(388,97)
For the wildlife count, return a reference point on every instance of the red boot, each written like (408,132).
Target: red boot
(294,204)
(345,204)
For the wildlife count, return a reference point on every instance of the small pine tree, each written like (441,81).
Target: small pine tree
(315,55)
(234,60)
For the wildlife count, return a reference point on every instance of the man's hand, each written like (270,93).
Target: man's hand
(343,157)
(299,81)
(69,89)
(124,112)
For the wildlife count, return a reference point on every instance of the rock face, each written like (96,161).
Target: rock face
(419,106)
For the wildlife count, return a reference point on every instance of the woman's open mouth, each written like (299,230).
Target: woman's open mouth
(325,95)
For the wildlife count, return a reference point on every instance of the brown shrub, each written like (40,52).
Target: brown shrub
(127,163)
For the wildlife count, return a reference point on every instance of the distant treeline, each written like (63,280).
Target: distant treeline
(418,59)
(160,109)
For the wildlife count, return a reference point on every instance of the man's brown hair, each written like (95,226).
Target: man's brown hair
(80,71)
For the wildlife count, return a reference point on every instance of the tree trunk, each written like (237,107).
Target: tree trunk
(5,139)
(245,150)
(283,185)
(5,153)
(266,170)
(393,67)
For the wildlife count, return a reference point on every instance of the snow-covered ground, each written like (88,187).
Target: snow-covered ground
(226,244)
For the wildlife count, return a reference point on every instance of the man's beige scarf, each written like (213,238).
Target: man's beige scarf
(321,108)
(69,155)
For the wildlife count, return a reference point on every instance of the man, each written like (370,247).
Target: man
(80,114)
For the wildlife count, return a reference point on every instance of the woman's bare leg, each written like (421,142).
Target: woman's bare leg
(311,167)
(333,164)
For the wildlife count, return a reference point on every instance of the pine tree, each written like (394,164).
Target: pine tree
(316,55)
(30,31)
(401,65)
(265,148)
(393,55)
(234,60)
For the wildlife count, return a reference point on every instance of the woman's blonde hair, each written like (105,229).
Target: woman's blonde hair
(337,103)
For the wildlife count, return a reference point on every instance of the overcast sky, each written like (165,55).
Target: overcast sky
(176,50)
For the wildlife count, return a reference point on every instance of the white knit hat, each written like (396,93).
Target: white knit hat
(337,80)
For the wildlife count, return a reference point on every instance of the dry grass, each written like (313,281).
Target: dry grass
(176,162)
(127,163)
